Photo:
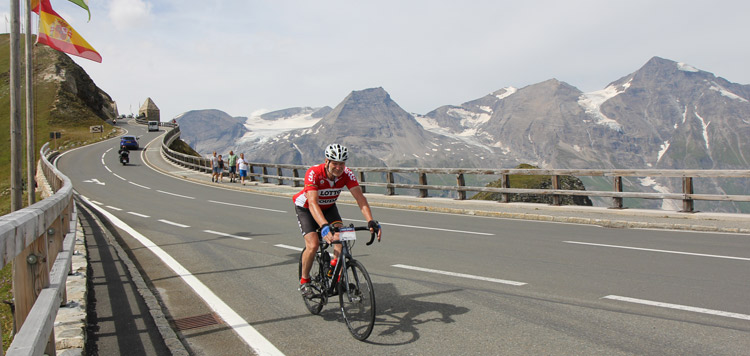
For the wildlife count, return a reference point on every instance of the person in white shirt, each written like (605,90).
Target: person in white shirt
(242,168)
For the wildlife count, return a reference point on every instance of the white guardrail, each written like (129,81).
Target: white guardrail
(39,240)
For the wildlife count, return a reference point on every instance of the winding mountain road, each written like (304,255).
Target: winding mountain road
(445,284)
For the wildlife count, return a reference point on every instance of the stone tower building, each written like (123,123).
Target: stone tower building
(149,111)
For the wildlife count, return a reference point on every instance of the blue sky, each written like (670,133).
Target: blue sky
(245,56)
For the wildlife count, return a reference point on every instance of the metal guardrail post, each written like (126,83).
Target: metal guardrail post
(461,182)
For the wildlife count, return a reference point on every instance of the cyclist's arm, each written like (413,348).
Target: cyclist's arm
(364,206)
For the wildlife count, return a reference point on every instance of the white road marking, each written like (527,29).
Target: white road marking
(246,206)
(114,208)
(428,228)
(679,307)
(295,248)
(461,275)
(227,235)
(115,174)
(177,195)
(107,168)
(138,214)
(173,223)
(662,251)
(96,202)
(138,185)
(246,332)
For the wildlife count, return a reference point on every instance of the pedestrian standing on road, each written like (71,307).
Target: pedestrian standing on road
(214,167)
(220,171)
(242,167)
(232,162)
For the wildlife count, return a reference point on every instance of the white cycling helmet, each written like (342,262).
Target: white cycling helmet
(336,152)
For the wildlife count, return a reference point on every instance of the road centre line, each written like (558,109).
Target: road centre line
(678,307)
(428,228)
(232,319)
(227,235)
(662,251)
(96,202)
(115,174)
(461,275)
(173,223)
(114,208)
(138,185)
(176,195)
(138,214)
(295,248)
(246,206)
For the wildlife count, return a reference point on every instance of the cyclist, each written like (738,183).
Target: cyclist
(316,207)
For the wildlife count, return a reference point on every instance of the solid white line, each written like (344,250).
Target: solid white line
(462,275)
(227,235)
(114,208)
(138,185)
(246,206)
(177,195)
(115,174)
(107,168)
(295,248)
(138,214)
(679,307)
(428,228)
(663,251)
(173,223)
(252,337)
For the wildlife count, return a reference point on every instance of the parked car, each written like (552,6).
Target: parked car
(130,142)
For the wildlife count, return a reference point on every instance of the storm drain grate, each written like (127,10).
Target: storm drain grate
(198,321)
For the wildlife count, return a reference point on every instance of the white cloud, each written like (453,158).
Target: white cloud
(127,14)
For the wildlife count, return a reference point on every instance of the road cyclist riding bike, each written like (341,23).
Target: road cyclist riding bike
(318,216)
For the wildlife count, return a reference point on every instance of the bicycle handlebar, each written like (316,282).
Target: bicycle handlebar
(356,228)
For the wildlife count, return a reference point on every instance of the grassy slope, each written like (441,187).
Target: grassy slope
(73,125)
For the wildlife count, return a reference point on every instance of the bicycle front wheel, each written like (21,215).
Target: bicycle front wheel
(315,302)
(357,298)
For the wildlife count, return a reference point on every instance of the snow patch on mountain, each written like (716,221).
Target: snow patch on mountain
(704,124)
(663,150)
(508,92)
(667,204)
(687,68)
(261,130)
(592,102)
(724,92)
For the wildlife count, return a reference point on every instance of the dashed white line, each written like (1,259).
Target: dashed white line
(114,208)
(138,185)
(246,206)
(138,214)
(679,307)
(428,228)
(227,235)
(662,251)
(295,248)
(115,174)
(173,223)
(96,202)
(461,275)
(176,195)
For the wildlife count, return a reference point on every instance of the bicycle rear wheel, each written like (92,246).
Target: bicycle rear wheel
(357,298)
(318,299)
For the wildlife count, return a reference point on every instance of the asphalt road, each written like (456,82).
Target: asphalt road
(445,284)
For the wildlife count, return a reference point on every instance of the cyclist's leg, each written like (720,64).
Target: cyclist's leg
(308,255)
(333,217)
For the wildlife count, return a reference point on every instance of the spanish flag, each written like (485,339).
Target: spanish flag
(58,34)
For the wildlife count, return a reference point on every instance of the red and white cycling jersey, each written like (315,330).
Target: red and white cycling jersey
(328,190)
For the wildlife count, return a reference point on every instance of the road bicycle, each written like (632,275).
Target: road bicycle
(349,280)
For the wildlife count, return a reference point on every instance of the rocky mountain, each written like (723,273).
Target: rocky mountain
(664,115)
(210,130)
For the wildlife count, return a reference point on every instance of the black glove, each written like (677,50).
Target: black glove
(374,225)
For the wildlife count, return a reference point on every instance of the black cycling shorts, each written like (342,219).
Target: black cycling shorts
(307,223)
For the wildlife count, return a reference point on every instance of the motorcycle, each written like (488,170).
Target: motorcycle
(124,156)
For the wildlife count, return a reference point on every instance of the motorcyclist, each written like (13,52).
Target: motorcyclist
(124,153)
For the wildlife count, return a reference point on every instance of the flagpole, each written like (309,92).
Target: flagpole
(16,192)
(30,142)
